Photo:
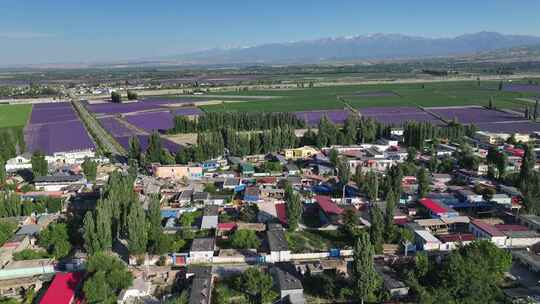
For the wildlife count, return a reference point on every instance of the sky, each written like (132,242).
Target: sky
(77,31)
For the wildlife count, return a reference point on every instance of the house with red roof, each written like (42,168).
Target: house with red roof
(329,212)
(483,230)
(63,288)
(437,209)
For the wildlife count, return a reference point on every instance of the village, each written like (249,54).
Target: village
(294,214)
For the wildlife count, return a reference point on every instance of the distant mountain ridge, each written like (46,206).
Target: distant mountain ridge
(362,47)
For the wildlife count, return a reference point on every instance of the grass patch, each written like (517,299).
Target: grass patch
(14,115)
(459,93)
(316,240)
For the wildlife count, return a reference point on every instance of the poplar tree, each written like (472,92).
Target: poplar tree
(366,278)
(136,230)
(39,164)
(294,211)
(91,243)
(90,169)
(103,225)
(154,222)
(376,230)
(134,151)
(423,183)
(2,170)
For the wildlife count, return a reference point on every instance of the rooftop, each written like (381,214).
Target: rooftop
(327,205)
(212,210)
(286,277)
(58,179)
(277,240)
(433,206)
(62,289)
(487,228)
(202,244)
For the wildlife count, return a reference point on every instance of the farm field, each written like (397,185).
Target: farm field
(14,115)
(380,95)
(56,127)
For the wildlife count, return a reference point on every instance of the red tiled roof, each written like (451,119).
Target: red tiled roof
(226,226)
(464,237)
(489,229)
(432,205)
(503,227)
(281,210)
(266,180)
(327,205)
(400,221)
(62,288)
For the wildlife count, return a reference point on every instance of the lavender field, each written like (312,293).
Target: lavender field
(159,121)
(526,127)
(313,117)
(475,115)
(144,105)
(122,134)
(522,88)
(398,115)
(55,127)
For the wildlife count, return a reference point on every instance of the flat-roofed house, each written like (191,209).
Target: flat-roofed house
(210,217)
(202,250)
(58,182)
(278,245)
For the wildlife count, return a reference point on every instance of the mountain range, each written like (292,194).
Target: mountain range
(358,48)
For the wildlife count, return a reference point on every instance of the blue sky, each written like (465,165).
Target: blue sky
(37,31)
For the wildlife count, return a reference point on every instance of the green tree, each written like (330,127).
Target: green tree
(89,168)
(527,167)
(294,211)
(91,243)
(2,170)
(154,151)
(245,239)
(256,283)
(116,97)
(39,164)
(371,186)
(501,163)
(106,277)
(134,151)
(132,95)
(423,182)
(350,222)
(376,230)
(333,157)
(137,229)
(389,227)
(103,222)
(366,278)
(56,240)
(344,173)
(154,222)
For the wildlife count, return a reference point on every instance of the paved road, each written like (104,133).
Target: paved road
(103,137)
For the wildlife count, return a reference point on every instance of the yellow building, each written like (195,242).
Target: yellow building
(500,138)
(177,172)
(298,153)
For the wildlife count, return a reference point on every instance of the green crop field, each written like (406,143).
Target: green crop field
(323,98)
(14,115)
